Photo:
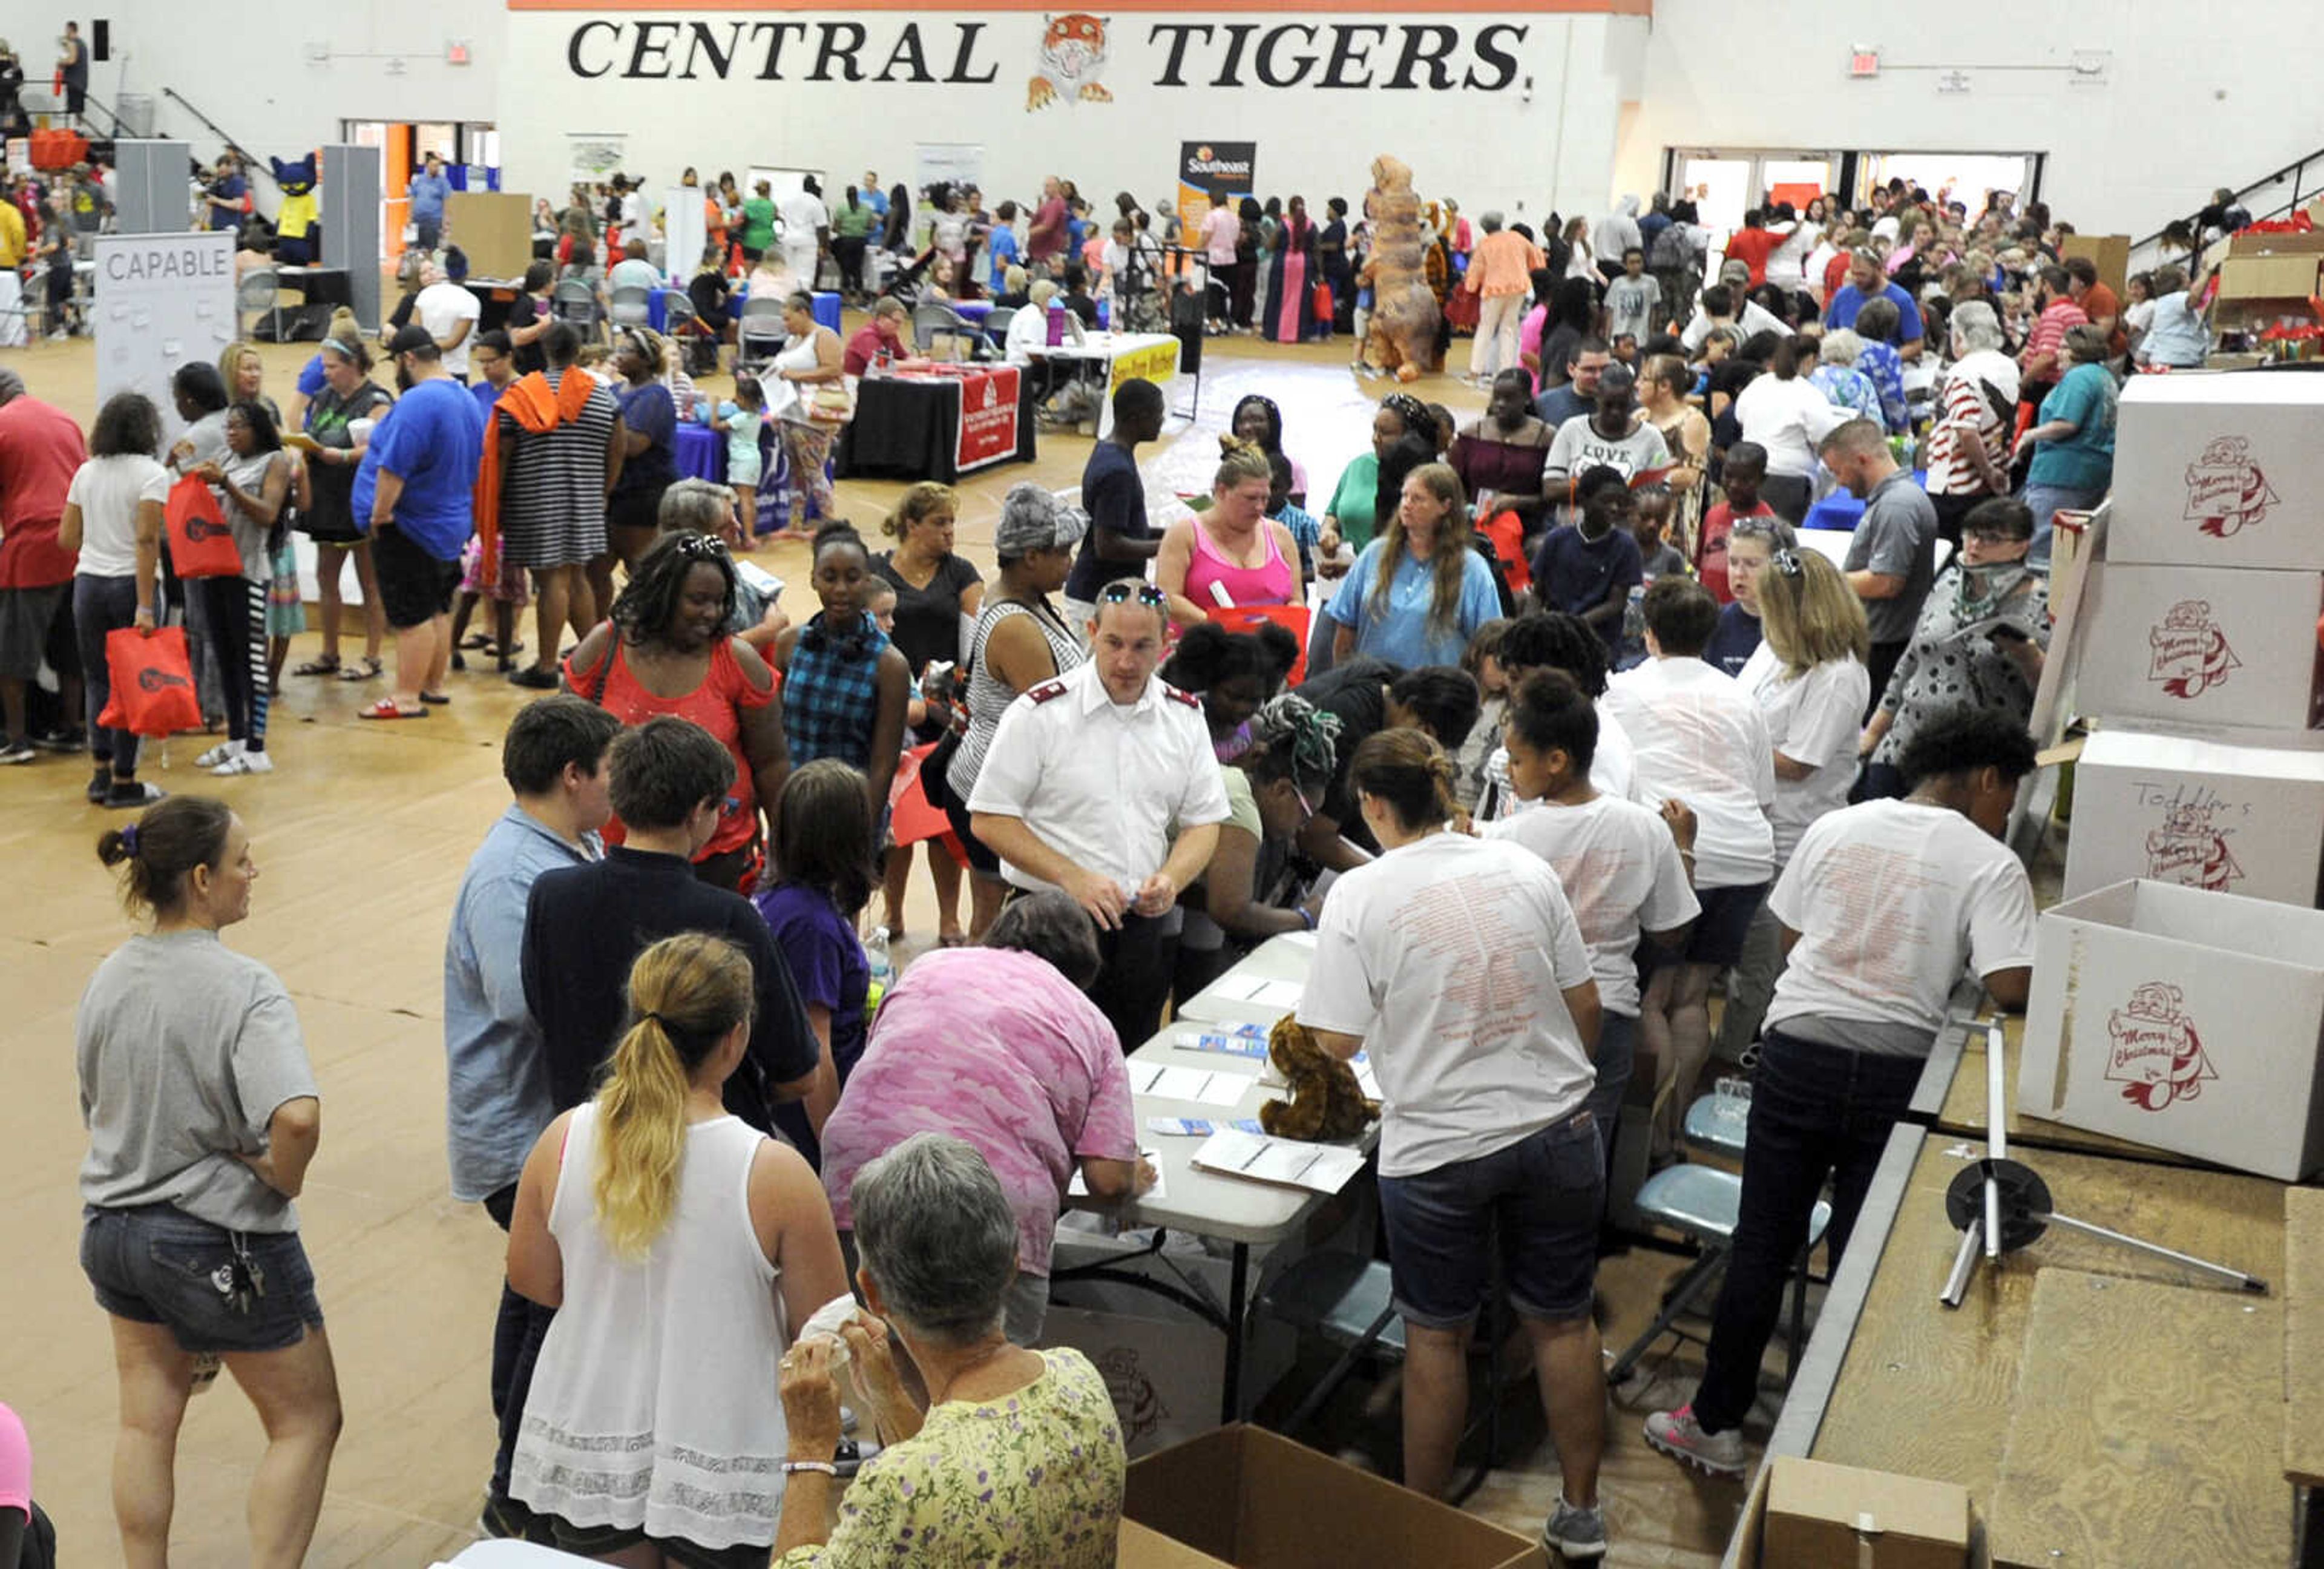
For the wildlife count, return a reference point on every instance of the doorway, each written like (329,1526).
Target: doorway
(1724,181)
(1967,178)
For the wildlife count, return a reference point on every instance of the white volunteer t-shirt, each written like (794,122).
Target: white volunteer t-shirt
(1449,956)
(441,307)
(1622,875)
(107,491)
(1701,740)
(1613,771)
(1815,718)
(1891,898)
(802,215)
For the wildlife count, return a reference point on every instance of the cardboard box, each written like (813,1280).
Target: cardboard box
(2270,277)
(2110,254)
(2310,243)
(1250,1498)
(2202,646)
(2233,820)
(1806,1514)
(2184,1020)
(2220,471)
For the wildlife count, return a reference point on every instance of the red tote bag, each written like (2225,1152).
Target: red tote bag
(153,682)
(201,542)
(1293,618)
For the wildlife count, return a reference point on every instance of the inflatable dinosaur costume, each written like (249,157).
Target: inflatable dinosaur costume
(1400,338)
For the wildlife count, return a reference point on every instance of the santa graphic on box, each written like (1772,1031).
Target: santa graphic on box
(2152,1050)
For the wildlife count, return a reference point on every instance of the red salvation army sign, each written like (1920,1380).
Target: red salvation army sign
(988,418)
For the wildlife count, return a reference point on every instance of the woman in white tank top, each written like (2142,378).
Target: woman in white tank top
(681,1249)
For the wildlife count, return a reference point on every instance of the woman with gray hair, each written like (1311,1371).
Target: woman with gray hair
(1018,1456)
(1020,641)
(701,506)
(1977,404)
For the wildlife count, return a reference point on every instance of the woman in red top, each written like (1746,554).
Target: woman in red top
(666,650)
(1233,547)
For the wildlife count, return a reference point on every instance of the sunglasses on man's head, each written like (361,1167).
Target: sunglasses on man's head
(1786,563)
(1123,592)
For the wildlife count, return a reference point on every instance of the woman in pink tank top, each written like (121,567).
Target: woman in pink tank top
(1232,554)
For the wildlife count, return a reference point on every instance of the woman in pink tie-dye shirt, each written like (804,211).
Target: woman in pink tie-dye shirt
(976,1042)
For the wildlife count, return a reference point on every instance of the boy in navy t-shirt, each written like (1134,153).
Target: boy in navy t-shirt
(1589,568)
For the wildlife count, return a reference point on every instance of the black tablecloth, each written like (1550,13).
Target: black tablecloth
(908,428)
(325,286)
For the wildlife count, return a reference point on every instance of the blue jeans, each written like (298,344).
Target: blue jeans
(1817,1112)
(2046,501)
(100,605)
(1618,1053)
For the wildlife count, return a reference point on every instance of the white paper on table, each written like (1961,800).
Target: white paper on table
(1284,994)
(1288,1163)
(1079,1188)
(1206,1086)
(1301,940)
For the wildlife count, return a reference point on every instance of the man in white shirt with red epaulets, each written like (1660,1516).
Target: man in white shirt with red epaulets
(1085,778)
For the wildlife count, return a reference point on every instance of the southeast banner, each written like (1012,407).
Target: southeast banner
(1205,168)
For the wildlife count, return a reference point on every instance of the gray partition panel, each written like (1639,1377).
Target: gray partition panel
(352,179)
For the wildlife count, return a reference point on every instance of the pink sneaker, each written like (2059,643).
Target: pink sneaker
(1679,1435)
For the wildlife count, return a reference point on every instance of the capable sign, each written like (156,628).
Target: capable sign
(161,300)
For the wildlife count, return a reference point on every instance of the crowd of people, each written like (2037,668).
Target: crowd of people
(1582,739)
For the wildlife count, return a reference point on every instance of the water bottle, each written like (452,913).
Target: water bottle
(1634,617)
(1057,325)
(883,969)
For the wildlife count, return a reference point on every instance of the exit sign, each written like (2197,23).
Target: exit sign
(457,52)
(1864,60)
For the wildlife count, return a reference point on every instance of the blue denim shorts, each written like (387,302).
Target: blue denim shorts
(156,1264)
(1540,1198)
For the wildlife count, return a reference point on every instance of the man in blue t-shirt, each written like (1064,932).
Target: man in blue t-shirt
(1589,568)
(427,191)
(415,493)
(1867,280)
(1120,542)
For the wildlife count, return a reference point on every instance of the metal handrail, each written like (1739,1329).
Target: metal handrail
(2291,171)
(219,132)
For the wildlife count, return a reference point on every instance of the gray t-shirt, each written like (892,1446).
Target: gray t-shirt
(1897,538)
(186,1049)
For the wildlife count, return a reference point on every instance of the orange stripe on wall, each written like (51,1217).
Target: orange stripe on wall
(1201,7)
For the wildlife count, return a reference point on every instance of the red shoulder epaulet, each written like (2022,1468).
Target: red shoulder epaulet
(1053,688)
(1177,696)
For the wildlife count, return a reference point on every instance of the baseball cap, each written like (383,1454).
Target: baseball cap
(410,336)
(1034,519)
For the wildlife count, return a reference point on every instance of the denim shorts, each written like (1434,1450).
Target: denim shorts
(1719,931)
(1541,1194)
(156,1264)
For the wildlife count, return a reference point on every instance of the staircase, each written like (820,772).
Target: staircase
(2272,196)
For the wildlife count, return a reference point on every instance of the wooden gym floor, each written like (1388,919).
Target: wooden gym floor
(361,833)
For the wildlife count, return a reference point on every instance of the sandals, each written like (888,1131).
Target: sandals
(366,668)
(385,708)
(323,665)
(438,698)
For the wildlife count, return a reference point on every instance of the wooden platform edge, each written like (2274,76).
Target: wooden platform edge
(2303,1336)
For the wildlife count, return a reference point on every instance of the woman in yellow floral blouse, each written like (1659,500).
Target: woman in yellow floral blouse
(1017,1459)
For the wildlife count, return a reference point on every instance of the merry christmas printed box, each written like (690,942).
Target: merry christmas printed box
(2220,470)
(2200,646)
(2184,1020)
(2233,820)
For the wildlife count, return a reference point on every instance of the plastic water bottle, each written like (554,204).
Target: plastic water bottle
(1634,617)
(883,969)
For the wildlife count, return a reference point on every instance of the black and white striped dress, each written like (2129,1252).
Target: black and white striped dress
(553,493)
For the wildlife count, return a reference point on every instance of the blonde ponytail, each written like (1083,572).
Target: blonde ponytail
(687,993)
(1448,799)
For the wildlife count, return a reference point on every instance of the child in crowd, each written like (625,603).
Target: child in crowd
(1588,568)
(1656,553)
(1307,528)
(1626,350)
(743,419)
(1633,304)
(824,866)
(1746,466)
(1481,659)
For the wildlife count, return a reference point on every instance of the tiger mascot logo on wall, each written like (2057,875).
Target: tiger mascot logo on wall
(1072,53)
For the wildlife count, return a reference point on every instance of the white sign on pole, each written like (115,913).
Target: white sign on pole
(953,164)
(160,302)
(685,229)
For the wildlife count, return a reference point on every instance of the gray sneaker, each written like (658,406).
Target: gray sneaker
(1578,1535)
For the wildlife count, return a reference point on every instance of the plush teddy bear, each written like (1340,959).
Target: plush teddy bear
(299,222)
(1325,1102)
